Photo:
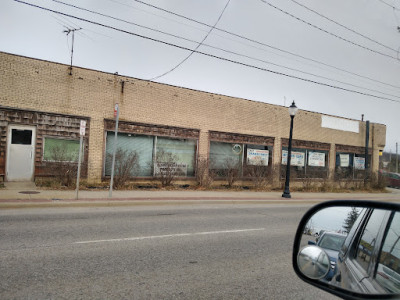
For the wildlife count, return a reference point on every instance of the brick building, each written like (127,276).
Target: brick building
(41,106)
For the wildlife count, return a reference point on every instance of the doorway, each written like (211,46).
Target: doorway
(20,153)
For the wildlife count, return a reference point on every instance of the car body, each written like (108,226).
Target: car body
(331,242)
(393,179)
(368,261)
(368,265)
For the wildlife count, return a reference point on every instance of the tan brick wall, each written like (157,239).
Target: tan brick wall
(40,85)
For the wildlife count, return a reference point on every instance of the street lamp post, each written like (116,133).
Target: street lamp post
(292,112)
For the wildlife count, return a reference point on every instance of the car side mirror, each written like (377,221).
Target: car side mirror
(366,237)
(313,262)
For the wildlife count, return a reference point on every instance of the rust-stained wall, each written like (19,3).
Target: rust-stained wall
(44,86)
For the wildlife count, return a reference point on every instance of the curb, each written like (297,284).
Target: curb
(147,201)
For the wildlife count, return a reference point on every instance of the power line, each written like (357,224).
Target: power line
(224,50)
(266,45)
(122,20)
(343,26)
(392,6)
(153,14)
(197,47)
(209,55)
(328,32)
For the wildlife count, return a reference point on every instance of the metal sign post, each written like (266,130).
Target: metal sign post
(82,130)
(116,115)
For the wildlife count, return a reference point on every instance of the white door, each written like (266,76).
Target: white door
(20,152)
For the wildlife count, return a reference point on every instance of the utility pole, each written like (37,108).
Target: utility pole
(397,158)
(68,31)
(366,149)
(116,115)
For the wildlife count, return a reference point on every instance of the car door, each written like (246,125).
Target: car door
(386,271)
(357,267)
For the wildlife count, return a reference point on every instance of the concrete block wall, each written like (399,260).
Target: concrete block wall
(39,85)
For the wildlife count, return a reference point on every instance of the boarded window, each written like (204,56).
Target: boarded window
(56,149)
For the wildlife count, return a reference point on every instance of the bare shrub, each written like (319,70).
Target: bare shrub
(260,175)
(231,170)
(308,183)
(126,165)
(327,184)
(167,168)
(204,176)
(62,167)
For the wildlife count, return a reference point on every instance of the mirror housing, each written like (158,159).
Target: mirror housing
(316,280)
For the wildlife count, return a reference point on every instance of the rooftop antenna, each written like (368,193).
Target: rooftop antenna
(67,32)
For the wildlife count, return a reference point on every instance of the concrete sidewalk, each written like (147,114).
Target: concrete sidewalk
(17,193)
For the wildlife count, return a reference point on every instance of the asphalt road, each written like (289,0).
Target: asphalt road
(152,252)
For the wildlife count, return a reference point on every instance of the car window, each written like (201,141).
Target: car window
(388,271)
(332,242)
(368,239)
(353,229)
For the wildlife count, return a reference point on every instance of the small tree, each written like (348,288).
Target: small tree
(167,168)
(126,165)
(351,218)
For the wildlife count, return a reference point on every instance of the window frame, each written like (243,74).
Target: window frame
(353,251)
(388,226)
(63,139)
(154,152)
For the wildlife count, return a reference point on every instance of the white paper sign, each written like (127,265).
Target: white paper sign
(257,157)
(316,159)
(297,158)
(82,128)
(359,163)
(175,169)
(344,160)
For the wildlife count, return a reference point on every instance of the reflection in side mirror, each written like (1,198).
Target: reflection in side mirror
(313,262)
(350,248)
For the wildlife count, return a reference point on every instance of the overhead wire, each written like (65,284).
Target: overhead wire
(208,54)
(68,24)
(266,45)
(197,47)
(392,6)
(156,15)
(343,26)
(224,50)
(328,32)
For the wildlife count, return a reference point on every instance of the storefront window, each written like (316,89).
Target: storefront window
(141,144)
(182,152)
(56,149)
(244,158)
(306,163)
(225,156)
(350,165)
(257,161)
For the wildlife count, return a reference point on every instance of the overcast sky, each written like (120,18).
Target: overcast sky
(358,51)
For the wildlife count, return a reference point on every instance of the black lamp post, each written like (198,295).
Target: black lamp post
(292,112)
